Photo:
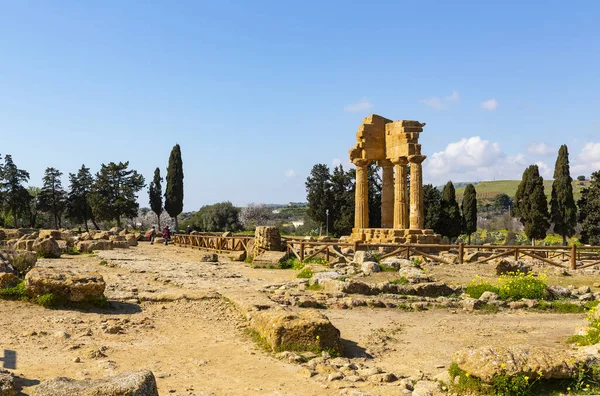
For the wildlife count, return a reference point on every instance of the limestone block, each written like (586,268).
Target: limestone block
(56,234)
(73,285)
(134,383)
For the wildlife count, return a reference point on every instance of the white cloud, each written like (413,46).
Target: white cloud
(588,160)
(490,104)
(545,170)
(362,105)
(290,173)
(541,149)
(475,159)
(441,103)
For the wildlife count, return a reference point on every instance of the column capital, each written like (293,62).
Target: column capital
(416,159)
(360,162)
(384,163)
(400,161)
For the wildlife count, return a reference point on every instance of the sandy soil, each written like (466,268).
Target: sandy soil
(199,345)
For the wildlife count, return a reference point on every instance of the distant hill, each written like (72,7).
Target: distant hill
(488,190)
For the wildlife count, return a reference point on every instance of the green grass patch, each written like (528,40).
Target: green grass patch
(561,307)
(387,268)
(306,273)
(476,289)
(103,262)
(16,292)
(488,309)
(50,300)
(514,286)
(248,259)
(291,263)
(314,287)
(400,281)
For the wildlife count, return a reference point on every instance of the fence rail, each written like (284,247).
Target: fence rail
(213,242)
(573,257)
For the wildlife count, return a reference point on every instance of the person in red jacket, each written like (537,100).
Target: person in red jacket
(166,234)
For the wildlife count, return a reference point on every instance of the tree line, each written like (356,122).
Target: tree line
(333,193)
(109,195)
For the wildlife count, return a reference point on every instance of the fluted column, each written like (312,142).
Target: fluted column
(416,192)
(361,201)
(400,196)
(387,193)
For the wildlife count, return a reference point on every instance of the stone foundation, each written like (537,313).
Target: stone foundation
(392,235)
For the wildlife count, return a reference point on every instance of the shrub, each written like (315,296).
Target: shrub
(307,272)
(522,285)
(478,286)
(592,336)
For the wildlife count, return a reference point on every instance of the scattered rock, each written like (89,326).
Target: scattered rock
(91,245)
(362,257)
(208,258)
(335,376)
(369,267)
(505,266)
(47,247)
(306,330)
(414,275)
(73,285)
(269,258)
(134,383)
(486,362)
(559,292)
(7,383)
(488,297)
(319,277)
(56,234)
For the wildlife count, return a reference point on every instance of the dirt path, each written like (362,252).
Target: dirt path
(199,345)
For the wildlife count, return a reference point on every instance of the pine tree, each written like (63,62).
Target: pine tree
(451,221)
(114,193)
(155,193)
(78,201)
(563,211)
(432,201)
(469,210)
(318,193)
(589,212)
(15,197)
(52,198)
(531,204)
(174,191)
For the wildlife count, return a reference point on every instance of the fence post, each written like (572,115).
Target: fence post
(301,251)
(461,252)
(516,254)
(573,257)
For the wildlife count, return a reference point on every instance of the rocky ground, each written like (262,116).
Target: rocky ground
(177,316)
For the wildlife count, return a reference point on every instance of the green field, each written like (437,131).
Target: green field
(490,189)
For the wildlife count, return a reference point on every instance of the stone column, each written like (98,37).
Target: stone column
(400,198)
(416,192)
(361,200)
(387,193)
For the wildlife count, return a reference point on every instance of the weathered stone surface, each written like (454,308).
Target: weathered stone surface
(24,244)
(362,257)
(56,234)
(21,260)
(505,266)
(266,238)
(397,263)
(208,258)
(117,238)
(132,239)
(73,285)
(13,234)
(269,258)
(120,244)
(91,245)
(559,292)
(101,235)
(7,383)
(237,256)
(47,247)
(320,276)
(369,267)
(414,275)
(134,383)
(487,362)
(306,330)
(8,279)
(159,241)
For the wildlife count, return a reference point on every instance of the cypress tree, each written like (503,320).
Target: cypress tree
(589,212)
(469,210)
(432,201)
(155,193)
(451,221)
(563,211)
(531,204)
(174,191)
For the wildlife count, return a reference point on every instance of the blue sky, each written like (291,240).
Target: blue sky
(257,92)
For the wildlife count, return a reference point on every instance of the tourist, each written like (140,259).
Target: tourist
(188,229)
(152,235)
(166,234)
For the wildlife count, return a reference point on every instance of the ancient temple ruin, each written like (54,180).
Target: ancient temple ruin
(394,145)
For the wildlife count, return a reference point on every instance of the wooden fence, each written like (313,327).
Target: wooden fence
(216,243)
(573,257)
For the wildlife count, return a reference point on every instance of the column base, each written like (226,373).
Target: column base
(394,235)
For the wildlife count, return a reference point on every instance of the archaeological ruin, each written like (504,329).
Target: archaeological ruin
(394,145)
